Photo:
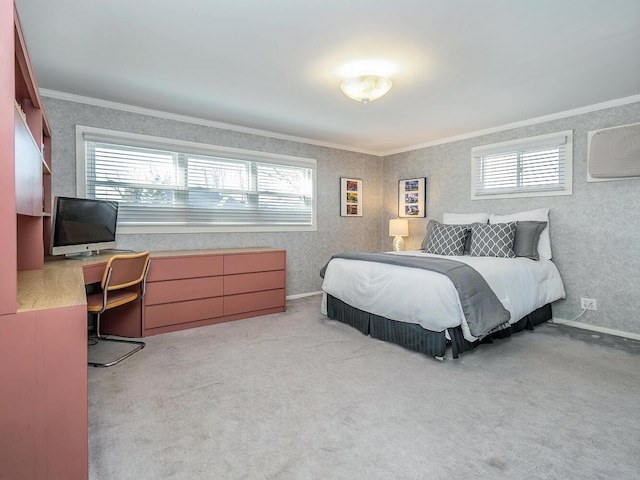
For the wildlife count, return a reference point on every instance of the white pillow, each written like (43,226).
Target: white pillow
(464,218)
(540,215)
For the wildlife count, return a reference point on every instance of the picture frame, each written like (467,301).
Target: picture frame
(350,197)
(412,194)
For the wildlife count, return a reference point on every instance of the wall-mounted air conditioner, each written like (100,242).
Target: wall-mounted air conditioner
(614,153)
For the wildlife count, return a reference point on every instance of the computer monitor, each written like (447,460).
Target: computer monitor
(83,226)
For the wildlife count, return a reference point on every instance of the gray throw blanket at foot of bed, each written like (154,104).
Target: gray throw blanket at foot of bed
(480,305)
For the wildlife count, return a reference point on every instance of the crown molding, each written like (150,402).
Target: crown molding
(264,133)
(524,123)
(96,102)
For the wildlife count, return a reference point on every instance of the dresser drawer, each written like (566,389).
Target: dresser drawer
(254,262)
(182,312)
(180,290)
(251,302)
(171,268)
(253,282)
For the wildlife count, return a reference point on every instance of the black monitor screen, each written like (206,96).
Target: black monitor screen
(84,221)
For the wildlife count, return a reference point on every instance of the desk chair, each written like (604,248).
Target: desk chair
(123,281)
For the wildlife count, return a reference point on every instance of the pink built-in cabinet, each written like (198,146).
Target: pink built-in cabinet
(43,373)
(187,289)
(32,156)
(43,323)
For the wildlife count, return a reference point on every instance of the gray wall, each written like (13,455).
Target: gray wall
(594,232)
(307,252)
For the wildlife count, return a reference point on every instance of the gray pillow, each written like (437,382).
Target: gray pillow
(467,243)
(526,239)
(494,240)
(446,239)
(425,240)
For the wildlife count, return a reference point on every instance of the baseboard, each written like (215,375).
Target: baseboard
(302,295)
(594,328)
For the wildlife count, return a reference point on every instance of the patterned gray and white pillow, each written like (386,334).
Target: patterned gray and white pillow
(494,240)
(447,239)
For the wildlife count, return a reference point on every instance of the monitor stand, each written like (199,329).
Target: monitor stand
(82,255)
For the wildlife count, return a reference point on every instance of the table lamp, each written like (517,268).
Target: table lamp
(398,228)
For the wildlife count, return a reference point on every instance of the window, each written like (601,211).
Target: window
(166,185)
(535,166)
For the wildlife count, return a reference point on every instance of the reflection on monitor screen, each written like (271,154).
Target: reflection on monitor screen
(83,226)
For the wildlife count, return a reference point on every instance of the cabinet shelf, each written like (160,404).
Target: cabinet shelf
(45,135)
(45,167)
(20,111)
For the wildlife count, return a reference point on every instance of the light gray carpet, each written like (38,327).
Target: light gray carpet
(298,396)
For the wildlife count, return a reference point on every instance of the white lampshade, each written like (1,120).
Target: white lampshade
(366,88)
(398,227)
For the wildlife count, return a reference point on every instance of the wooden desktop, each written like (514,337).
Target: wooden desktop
(185,289)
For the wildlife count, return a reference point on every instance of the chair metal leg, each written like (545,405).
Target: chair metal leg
(140,346)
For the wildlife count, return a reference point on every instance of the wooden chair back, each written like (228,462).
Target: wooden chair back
(125,270)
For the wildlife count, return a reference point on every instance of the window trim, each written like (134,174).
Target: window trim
(514,145)
(84,133)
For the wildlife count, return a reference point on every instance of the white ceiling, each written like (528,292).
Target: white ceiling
(462,65)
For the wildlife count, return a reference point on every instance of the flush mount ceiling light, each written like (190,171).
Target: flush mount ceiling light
(366,88)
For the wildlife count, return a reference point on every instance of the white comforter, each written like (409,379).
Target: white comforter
(429,299)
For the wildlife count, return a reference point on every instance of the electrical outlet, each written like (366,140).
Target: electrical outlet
(588,303)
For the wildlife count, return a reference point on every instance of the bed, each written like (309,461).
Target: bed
(390,298)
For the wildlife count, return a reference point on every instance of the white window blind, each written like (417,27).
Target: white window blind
(198,186)
(535,166)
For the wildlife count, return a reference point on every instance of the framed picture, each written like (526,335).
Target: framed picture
(350,197)
(412,194)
